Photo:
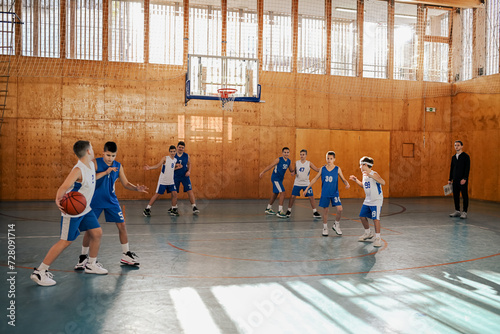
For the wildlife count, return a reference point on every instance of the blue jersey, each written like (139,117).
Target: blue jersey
(280,169)
(183,160)
(330,187)
(104,195)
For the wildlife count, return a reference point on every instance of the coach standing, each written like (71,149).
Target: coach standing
(459,177)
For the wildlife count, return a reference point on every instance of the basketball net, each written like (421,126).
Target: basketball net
(226,96)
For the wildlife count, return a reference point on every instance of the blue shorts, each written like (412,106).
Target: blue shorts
(71,227)
(186,183)
(324,202)
(112,215)
(278,186)
(297,189)
(372,212)
(162,187)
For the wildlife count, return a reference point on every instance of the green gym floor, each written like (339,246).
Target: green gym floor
(232,269)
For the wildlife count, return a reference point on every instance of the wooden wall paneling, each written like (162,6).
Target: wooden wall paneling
(39,97)
(317,143)
(405,172)
(440,119)
(8,160)
(130,139)
(164,100)
(204,137)
(125,71)
(157,139)
(312,107)
(124,100)
(485,111)
(400,114)
(279,92)
(11,104)
(436,159)
(83,99)
(271,142)
(38,159)
(484,175)
(415,115)
(345,112)
(240,167)
(376,114)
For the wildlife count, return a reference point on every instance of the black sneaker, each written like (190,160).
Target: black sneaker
(82,261)
(288,213)
(147,212)
(316,214)
(174,212)
(195,210)
(169,210)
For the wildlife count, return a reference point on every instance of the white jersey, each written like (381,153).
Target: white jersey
(167,171)
(373,191)
(302,171)
(86,187)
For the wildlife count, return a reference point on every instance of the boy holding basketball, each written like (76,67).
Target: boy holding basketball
(165,182)
(109,170)
(82,178)
(280,166)
(330,191)
(302,170)
(372,184)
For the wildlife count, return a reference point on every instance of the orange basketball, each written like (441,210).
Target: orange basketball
(73,203)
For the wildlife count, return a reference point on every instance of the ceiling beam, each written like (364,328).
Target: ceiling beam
(449,3)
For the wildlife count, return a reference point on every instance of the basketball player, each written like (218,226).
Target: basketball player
(181,174)
(302,169)
(82,178)
(280,166)
(372,184)
(459,178)
(109,170)
(165,182)
(330,191)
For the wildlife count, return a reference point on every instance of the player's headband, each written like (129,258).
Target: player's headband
(361,162)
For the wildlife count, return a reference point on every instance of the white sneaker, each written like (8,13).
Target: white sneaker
(463,215)
(128,258)
(336,228)
(43,278)
(95,268)
(366,236)
(377,242)
(455,214)
(325,232)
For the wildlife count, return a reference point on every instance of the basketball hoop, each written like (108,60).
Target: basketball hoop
(226,96)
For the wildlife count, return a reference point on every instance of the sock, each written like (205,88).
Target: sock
(174,207)
(377,235)
(193,205)
(125,248)
(337,221)
(280,208)
(269,206)
(43,267)
(85,250)
(148,207)
(314,210)
(290,209)
(367,231)
(325,225)
(92,260)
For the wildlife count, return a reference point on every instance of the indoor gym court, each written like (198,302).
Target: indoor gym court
(399,81)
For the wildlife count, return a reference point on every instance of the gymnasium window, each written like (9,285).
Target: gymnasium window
(84,24)
(344,38)
(126,29)
(405,42)
(466,47)
(492,36)
(40,31)
(205,29)
(312,37)
(277,36)
(436,45)
(166,27)
(375,39)
(242,27)
(7,30)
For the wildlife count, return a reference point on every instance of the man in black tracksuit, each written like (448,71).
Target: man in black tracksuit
(459,177)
